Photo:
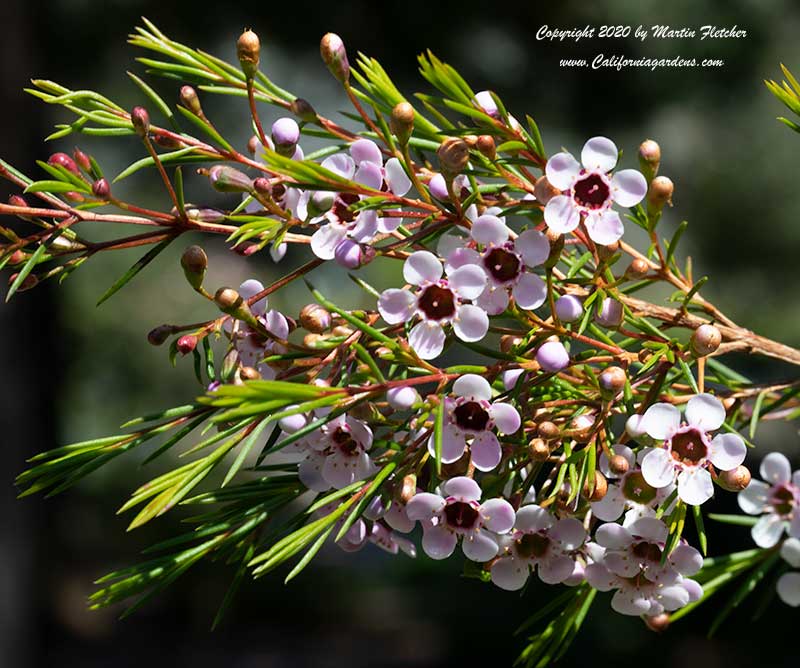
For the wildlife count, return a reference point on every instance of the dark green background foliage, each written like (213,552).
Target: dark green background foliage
(71,371)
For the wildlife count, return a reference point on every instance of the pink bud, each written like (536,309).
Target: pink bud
(552,356)
(63,160)
(187,344)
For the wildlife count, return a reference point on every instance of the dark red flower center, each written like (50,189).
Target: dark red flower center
(502,265)
(782,500)
(471,416)
(591,191)
(688,447)
(345,442)
(437,302)
(461,515)
(533,545)
(636,489)
(647,551)
(341,207)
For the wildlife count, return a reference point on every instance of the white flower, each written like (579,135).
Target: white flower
(688,449)
(589,191)
(460,514)
(777,501)
(436,302)
(542,542)
(365,166)
(788,585)
(504,260)
(472,415)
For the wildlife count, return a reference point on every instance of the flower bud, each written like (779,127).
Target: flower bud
(544,191)
(548,430)
(508,342)
(637,268)
(140,120)
(705,340)
(540,451)
(248,50)
(334,55)
(569,308)
(31,281)
(453,155)
(18,257)
(600,487)
(607,251)
(351,255)
(438,187)
(314,318)
(486,146)
(401,122)
(190,100)
(166,141)
(657,623)
(228,300)
(618,465)
(74,196)
(735,480)
(63,160)
(229,180)
(612,379)
(253,145)
(17,200)
(402,398)
(230,363)
(556,246)
(101,188)
(159,335)
(285,135)
(581,427)
(205,215)
(611,313)
(633,426)
(249,373)
(659,194)
(649,158)
(320,202)
(303,110)
(552,356)
(187,344)
(82,160)
(194,262)
(408,488)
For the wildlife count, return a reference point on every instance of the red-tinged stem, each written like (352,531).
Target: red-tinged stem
(251,98)
(167,183)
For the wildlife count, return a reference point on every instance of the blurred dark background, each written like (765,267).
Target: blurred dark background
(70,371)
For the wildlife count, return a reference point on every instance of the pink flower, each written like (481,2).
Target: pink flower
(589,191)
(688,449)
(436,302)
(472,415)
(777,501)
(539,542)
(460,514)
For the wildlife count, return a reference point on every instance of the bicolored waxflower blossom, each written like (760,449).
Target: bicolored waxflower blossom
(589,191)
(456,514)
(337,454)
(251,345)
(436,302)
(777,501)
(365,166)
(788,584)
(638,549)
(471,416)
(541,542)
(688,450)
(629,493)
(505,261)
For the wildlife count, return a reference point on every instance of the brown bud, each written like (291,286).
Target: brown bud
(228,300)
(63,160)
(314,318)
(612,379)
(303,110)
(548,430)
(141,121)
(194,262)
(334,55)
(249,373)
(253,145)
(248,50)
(649,158)
(544,191)
(82,160)
(401,122)
(453,155)
(581,427)
(600,487)
(226,179)
(659,193)
(508,342)
(539,450)
(166,141)
(101,188)
(409,488)
(342,330)
(637,268)
(643,355)
(187,344)
(657,623)
(486,146)
(314,340)
(189,99)
(158,335)
(556,247)
(618,464)
(705,340)
(735,480)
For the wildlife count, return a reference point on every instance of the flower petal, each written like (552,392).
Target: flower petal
(396,306)
(438,187)
(561,170)
(561,215)
(471,323)
(570,533)
(555,570)
(467,281)
(396,177)
(630,602)
(340,164)
(438,542)
(424,506)
(427,339)
(605,227)
(325,240)
(250,288)
(767,531)
(448,243)
(533,246)
(628,187)
(366,150)
(660,421)
(611,506)
(486,451)
(462,488)
(459,257)
(650,529)
(510,574)
(530,292)
(790,552)
(658,468)
(310,473)
(489,230)
(369,175)
(613,536)
(753,498)
(472,386)
(695,486)
(506,417)
(422,267)
(453,445)
(788,588)
(498,515)
(599,153)
(493,300)
(479,546)
(727,451)
(618,449)
(706,412)
(686,559)
(533,518)
(775,468)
